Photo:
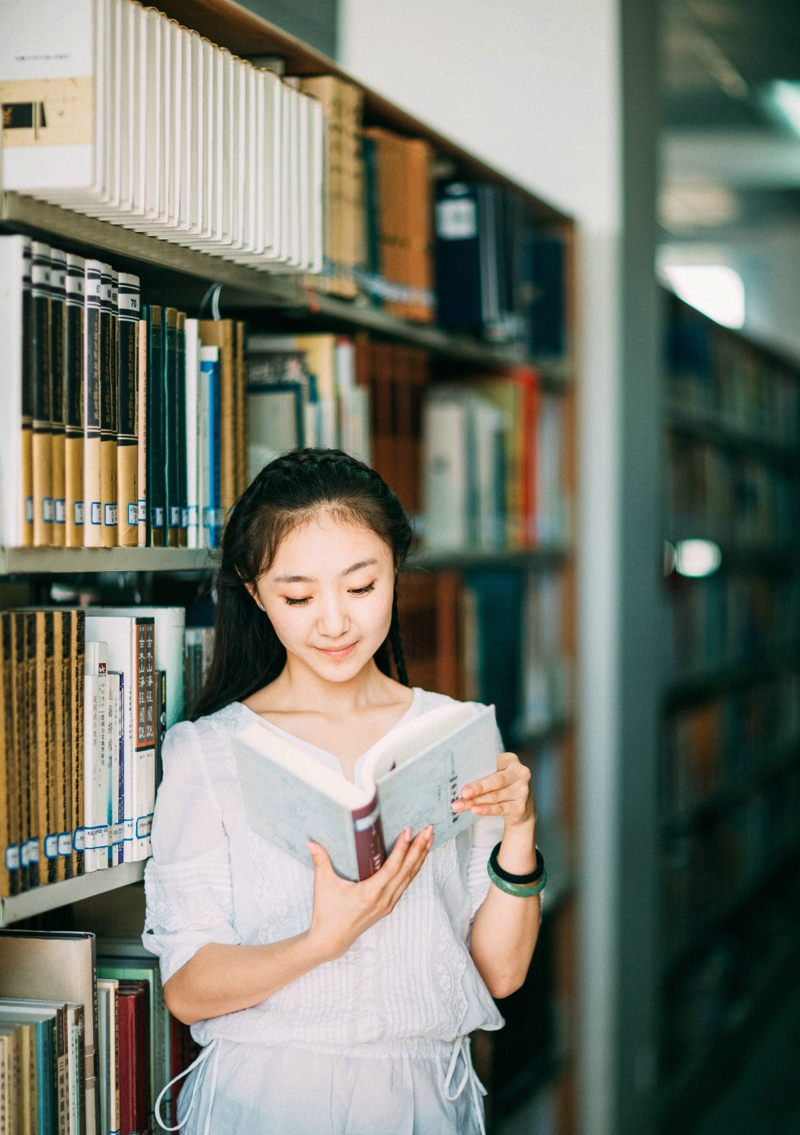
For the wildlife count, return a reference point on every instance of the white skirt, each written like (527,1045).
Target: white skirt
(411,1087)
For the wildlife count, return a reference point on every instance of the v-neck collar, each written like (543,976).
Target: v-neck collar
(330,760)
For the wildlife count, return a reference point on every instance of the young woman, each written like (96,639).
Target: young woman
(327,1007)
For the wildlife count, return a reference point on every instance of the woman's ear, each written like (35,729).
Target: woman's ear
(253,592)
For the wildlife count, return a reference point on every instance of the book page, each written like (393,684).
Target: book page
(420,791)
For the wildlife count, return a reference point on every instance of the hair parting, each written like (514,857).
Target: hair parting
(247,652)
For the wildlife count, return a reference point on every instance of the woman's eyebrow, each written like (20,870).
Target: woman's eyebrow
(360,564)
(310,579)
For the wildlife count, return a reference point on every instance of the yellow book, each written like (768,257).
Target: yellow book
(108,406)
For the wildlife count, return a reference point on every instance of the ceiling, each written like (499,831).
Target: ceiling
(726,161)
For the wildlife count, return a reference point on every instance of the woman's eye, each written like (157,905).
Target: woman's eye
(296,602)
(362,590)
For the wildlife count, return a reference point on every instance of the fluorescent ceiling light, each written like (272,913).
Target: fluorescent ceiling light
(697,558)
(714,289)
(782,100)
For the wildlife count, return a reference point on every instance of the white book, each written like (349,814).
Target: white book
(192,379)
(107,1074)
(130,636)
(445,473)
(95,757)
(116,765)
(409,779)
(15,274)
(170,644)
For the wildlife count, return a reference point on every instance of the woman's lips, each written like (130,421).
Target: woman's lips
(337,652)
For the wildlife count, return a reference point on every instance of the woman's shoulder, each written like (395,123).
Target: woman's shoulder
(427,700)
(206,737)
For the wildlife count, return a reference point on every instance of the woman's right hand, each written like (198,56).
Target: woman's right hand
(344,910)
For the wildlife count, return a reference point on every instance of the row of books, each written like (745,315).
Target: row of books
(493,455)
(739,618)
(494,635)
(723,379)
(86,697)
(86,1040)
(712,995)
(730,499)
(725,742)
(150,126)
(125,427)
(710,866)
(158,129)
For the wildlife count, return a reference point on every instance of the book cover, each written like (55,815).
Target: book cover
(220,333)
(9,789)
(134,1043)
(410,780)
(127,411)
(95,757)
(77,724)
(73,400)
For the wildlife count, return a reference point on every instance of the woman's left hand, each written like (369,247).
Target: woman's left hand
(504,793)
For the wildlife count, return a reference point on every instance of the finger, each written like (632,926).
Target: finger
(503,795)
(494,780)
(396,857)
(320,858)
(493,809)
(417,855)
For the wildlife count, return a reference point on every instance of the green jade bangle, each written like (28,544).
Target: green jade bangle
(513,884)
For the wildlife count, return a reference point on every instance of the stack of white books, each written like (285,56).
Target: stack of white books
(113,110)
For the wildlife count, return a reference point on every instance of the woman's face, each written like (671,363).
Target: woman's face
(329,595)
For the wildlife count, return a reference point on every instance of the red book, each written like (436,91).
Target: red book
(134,1057)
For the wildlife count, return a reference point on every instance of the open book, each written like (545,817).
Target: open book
(410,780)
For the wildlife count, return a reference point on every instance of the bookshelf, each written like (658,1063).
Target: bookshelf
(730,754)
(276,303)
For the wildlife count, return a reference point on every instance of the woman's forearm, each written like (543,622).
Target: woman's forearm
(505,929)
(223,979)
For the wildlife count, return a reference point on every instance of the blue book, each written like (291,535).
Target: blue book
(213,519)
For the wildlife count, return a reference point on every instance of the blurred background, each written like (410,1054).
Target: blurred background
(604,471)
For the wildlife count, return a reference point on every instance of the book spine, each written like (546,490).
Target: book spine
(155,428)
(30,788)
(173,448)
(141,398)
(64,768)
(127,411)
(45,744)
(180,439)
(9,832)
(42,396)
(144,772)
(95,774)
(77,705)
(62,1071)
(192,433)
(212,514)
(27,396)
(73,400)
(368,836)
(19,782)
(92,387)
(58,299)
(108,404)
(240,363)
(116,686)
(160,720)
(60,763)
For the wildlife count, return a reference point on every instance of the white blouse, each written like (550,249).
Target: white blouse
(211,879)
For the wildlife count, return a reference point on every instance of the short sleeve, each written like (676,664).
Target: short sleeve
(188,880)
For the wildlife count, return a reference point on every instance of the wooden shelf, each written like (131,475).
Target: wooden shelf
(707,426)
(250,288)
(720,679)
(77,560)
(41,899)
(539,558)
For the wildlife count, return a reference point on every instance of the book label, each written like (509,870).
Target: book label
(144,825)
(133,514)
(31,854)
(47,510)
(94,512)
(111,515)
(142,516)
(61,511)
(51,846)
(456,219)
(12,857)
(78,512)
(79,839)
(96,837)
(65,843)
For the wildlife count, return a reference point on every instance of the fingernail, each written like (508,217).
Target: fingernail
(477,808)
(468,792)
(407,835)
(457,805)
(429,830)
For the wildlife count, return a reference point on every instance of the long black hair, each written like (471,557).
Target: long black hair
(247,652)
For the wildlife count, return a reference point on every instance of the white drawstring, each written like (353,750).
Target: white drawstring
(204,1055)
(461,1048)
